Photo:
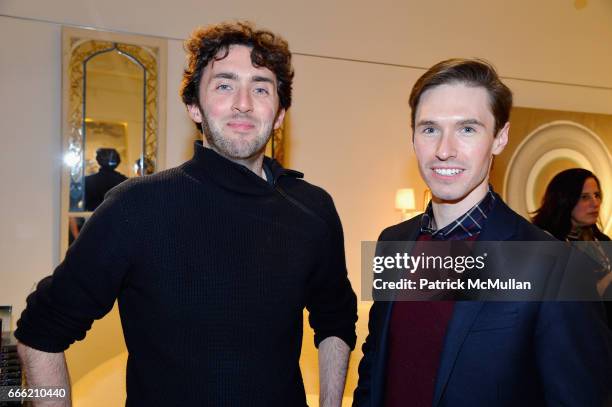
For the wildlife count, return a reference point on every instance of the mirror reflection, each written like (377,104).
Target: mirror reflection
(114,127)
(111,115)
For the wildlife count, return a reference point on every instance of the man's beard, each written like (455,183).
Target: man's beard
(234,148)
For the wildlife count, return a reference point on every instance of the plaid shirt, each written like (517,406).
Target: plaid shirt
(466,226)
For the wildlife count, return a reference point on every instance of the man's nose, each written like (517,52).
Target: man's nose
(243,101)
(446,147)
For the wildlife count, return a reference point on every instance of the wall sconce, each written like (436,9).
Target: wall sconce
(405,202)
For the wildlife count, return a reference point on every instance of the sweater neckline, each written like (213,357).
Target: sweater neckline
(208,164)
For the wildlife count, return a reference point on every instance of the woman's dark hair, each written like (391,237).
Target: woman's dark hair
(213,42)
(561,196)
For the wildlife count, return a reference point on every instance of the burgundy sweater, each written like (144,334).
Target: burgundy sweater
(416,338)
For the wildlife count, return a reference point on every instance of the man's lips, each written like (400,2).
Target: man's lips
(447,172)
(240,125)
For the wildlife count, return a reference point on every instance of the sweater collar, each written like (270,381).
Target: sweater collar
(208,164)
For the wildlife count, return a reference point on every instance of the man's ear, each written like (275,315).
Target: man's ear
(500,141)
(280,116)
(195,113)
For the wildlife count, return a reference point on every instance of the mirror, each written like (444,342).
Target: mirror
(113,110)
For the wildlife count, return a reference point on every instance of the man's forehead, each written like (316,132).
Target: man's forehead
(237,59)
(454,101)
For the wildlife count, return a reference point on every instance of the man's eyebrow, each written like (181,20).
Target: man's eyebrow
(258,78)
(426,123)
(234,77)
(471,121)
(226,75)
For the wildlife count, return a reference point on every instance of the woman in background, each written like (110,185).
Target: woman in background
(570,212)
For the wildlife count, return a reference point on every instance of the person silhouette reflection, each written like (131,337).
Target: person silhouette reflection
(98,184)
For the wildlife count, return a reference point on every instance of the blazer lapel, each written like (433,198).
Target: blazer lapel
(464,315)
(501,224)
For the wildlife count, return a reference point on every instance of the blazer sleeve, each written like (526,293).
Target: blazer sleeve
(574,354)
(363,396)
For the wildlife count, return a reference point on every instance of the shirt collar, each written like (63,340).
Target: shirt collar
(467,225)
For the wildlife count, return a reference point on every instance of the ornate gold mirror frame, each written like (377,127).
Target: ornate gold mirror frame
(276,145)
(78,48)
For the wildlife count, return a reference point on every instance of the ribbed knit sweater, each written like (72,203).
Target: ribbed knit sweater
(225,259)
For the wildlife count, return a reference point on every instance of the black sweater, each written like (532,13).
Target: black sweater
(224,258)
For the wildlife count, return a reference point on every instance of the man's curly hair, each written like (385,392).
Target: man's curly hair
(213,42)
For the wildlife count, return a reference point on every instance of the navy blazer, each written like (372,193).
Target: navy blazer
(503,353)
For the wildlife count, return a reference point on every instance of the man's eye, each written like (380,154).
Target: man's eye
(429,130)
(261,91)
(468,130)
(223,86)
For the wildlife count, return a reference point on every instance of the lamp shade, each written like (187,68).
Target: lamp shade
(404,199)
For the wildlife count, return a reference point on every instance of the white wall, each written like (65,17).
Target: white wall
(349,125)
(30,85)
(544,39)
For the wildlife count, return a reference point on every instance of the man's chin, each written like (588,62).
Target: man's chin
(456,193)
(248,153)
(447,195)
(237,150)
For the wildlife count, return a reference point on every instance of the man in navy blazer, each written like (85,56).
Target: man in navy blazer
(476,353)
